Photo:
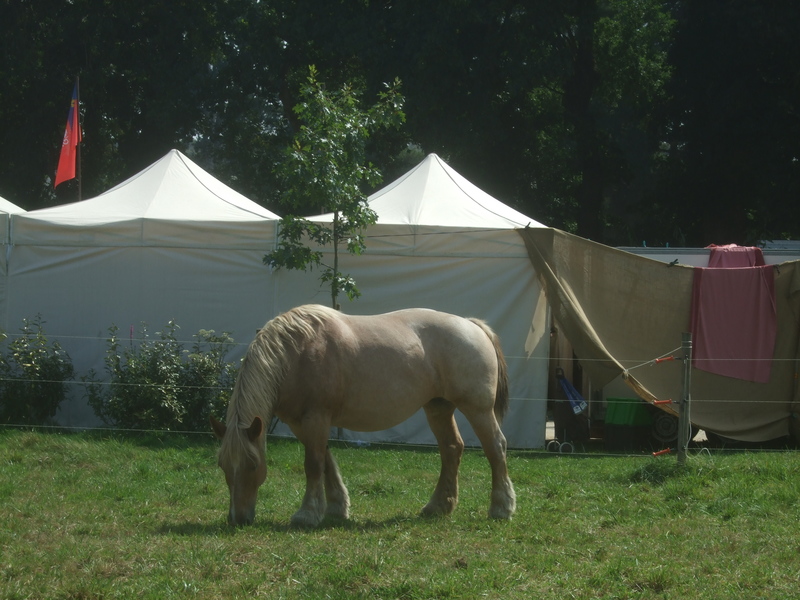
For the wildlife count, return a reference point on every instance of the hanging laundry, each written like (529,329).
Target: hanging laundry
(734,321)
(731,255)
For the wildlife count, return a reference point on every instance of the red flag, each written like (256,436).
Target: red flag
(69,147)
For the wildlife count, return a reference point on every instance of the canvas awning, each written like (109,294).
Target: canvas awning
(622,311)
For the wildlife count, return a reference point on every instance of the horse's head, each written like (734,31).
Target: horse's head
(245,466)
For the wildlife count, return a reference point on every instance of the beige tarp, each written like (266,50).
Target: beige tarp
(622,311)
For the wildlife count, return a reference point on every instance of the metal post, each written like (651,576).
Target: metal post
(684,424)
(80,137)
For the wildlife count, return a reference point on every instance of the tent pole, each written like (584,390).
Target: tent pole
(684,424)
(80,137)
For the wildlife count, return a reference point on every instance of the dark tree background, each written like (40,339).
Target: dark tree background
(621,120)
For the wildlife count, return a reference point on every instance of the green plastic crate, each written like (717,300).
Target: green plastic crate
(627,411)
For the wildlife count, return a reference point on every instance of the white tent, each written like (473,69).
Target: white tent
(6,210)
(440,242)
(169,243)
(174,243)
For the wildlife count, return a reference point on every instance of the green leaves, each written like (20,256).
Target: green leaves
(33,376)
(157,384)
(325,167)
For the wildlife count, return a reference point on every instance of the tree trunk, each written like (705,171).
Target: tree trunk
(335,279)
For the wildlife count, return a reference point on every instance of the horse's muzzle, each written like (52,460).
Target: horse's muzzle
(241,517)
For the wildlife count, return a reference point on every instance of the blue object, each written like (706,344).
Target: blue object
(575,399)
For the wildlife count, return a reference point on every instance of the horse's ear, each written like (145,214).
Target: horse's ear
(256,429)
(218,428)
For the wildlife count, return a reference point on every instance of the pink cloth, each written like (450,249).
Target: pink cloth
(731,255)
(734,322)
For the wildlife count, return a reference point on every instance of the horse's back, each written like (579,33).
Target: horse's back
(435,338)
(373,372)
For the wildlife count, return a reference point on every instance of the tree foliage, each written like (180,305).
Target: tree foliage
(157,384)
(622,120)
(326,166)
(34,375)
(732,133)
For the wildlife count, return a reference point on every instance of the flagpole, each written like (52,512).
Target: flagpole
(80,137)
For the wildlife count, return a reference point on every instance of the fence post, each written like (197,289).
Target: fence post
(684,424)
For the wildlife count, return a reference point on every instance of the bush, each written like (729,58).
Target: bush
(33,376)
(160,385)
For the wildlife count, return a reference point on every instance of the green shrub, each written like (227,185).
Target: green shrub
(33,376)
(157,384)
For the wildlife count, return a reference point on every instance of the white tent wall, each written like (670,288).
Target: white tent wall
(81,292)
(503,291)
(4,252)
(441,242)
(170,243)
(4,248)
(6,210)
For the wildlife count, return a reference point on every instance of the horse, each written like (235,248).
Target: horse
(315,368)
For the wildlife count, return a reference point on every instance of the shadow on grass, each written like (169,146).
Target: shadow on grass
(194,529)
(219,528)
(656,472)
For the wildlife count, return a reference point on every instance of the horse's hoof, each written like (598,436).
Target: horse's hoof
(503,504)
(503,510)
(338,511)
(430,514)
(304,518)
(500,514)
(438,510)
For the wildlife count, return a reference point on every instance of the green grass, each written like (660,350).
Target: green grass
(84,516)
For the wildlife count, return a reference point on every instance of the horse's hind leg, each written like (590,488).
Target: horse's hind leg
(504,500)
(335,491)
(443,424)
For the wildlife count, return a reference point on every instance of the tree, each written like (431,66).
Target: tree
(546,105)
(145,74)
(325,167)
(732,168)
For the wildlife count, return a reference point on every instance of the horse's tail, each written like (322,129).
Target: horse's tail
(501,395)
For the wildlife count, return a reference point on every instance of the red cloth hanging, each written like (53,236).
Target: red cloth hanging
(734,321)
(731,255)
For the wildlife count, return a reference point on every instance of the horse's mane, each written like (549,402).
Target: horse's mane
(263,369)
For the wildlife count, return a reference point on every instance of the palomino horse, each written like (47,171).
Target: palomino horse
(315,368)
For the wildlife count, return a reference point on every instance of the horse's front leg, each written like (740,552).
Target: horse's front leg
(314,436)
(312,510)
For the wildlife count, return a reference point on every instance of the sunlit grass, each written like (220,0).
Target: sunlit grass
(89,516)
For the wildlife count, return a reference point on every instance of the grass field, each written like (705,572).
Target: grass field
(85,516)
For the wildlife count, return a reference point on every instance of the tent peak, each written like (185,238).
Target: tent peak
(433,193)
(9,207)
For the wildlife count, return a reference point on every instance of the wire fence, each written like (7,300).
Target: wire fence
(628,364)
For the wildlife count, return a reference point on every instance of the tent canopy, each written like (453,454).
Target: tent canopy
(6,209)
(419,212)
(433,194)
(173,202)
